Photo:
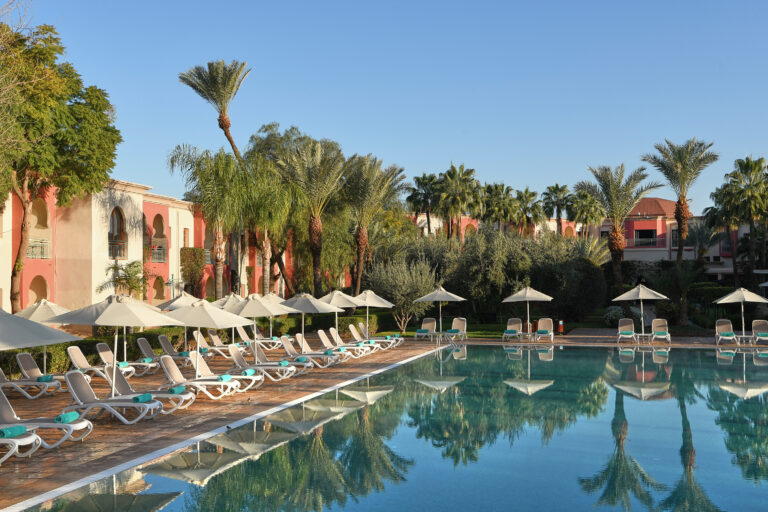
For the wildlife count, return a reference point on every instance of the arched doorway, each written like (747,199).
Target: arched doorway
(158,289)
(117,237)
(40,231)
(569,232)
(38,289)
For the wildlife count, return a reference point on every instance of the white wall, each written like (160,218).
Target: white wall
(179,218)
(6,251)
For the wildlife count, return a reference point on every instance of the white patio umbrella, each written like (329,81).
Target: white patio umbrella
(307,304)
(42,311)
(528,386)
(256,306)
(196,468)
(253,442)
(440,295)
(440,384)
(371,300)
(116,311)
(203,314)
(273,297)
(342,300)
(741,296)
(528,295)
(227,300)
(301,420)
(641,292)
(185,299)
(17,332)
(367,394)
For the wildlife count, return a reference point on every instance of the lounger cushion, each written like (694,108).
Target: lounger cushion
(542,331)
(45,378)
(762,354)
(143,398)
(661,353)
(510,331)
(67,417)
(762,335)
(626,333)
(224,378)
(177,390)
(728,334)
(14,431)
(727,354)
(627,352)
(422,331)
(660,333)
(147,360)
(452,331)
(248,372)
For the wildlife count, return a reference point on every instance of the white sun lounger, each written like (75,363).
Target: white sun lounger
(759,332)
(211,387)
(353,350)
(175,400)
(724,332)
(626,354)
(29,388)
(660,330)
(179,357)
(545,330)
(210,349)
(74,431)
(216,339)
(371,347)
(384,343)
(86,401)
(626,331)
(246,381)
(30,370)
(14,445)
(316,360)
(344,353)
(127,369)
(514,330)
(427,330)
(81,363)
(261,358)
(329,359)
(273,371)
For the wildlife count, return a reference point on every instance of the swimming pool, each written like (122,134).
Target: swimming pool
(485,429)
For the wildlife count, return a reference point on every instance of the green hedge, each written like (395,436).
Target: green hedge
(707,293)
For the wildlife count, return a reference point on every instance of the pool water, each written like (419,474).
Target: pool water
(485,429)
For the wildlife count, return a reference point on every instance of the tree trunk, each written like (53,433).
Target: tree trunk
(429,223)
(559,223)
(752,246)
(764,246)
(682,214)
(316,248)
(224,124)
(361,239)
(458,229)
(18,264)
(266,262)
(277,257)
(500,230)
(616,246)
(733,256)
(219,256)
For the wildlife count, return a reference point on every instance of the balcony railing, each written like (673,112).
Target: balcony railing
(39,249)
(159,255)
(646,243)
(208,259)
(118,250)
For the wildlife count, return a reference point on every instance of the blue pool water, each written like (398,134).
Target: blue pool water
(492,431)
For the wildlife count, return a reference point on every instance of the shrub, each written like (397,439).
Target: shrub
(613,314)
(402,283)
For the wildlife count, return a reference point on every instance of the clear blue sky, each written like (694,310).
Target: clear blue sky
(528,94)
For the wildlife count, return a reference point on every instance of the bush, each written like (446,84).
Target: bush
(613,314)
(402,283)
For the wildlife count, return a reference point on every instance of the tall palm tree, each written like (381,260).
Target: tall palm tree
(498,204)
(703,236)
(725,213)
(211,178)
(314,170)
(218,83)
(681,165)
(368,189)
(529,210)
(458,191)
(423,195)
(555,200)
(618,196)
(749,178)
(586,210)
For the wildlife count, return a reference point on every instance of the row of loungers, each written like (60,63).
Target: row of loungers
(724,332)
(250,368)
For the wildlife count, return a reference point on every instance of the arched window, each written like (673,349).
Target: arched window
(40,233)
(158,288)
(158,227)
(39,214)
(117,238)
(38,289)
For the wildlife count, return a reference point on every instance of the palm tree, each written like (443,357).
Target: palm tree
(423,195)
(218,83)
(555,201)
(130,277)
(681,165)
(498,204)
(457,193)
(368,189)
(529,210)
(726,214)
(314,170)
(703,236)
(749,178)
(618,196)
(586,210)
(211,180)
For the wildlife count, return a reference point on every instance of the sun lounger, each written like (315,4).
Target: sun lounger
(261,358)
(176,398)
(626,354)
(27,439)
(626,331)
(85,401)
(30,370)
(216,339)
(68,429)
(294,355)
(181,358)
(353,350)
(247,381)
(546,354)
(459,353)
(331,357)
(139,367)
(266,343)
(29,388)
(724,332)
(660,355)
(358,351)
(427,330)
(81,363)
(759,332)
(724,356)
(514,330)
(384,343)
(660,330)
(545,330)
(147,352)
(458,330)
(211,387)
(209,349)
(760,357)
(274,372)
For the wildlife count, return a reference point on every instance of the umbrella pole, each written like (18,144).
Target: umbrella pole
(336,313)
(440,315)
(302,324)
(114,364)
(197,353)
(742,320)
(125,347)
(270,327)
(367,329)
(642,318)
(185,338)
(45,352)
(528,319)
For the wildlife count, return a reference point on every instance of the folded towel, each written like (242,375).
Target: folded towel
(762,335)
(542,331)
(275,338)
(302,359)
(122,364)
(328,352)
(14,431)
(660,333)
(370,342)
(341,349)
(283,363)
(224,378)
(510,331)
(177,390)
(360,344)
(44,378)
(452,331)
(422,331)
(184,354)
(626,333)
(147,360)
(729,334)
(203,350)
(387,337)
(143,398)
(248,372)
(67,417)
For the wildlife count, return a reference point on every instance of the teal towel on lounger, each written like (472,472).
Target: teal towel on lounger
(224,378)
(122,364)
(452,331)
(762,335)
(341,349)
(14,431)
(275,338)
(626,333)
(762,354)
(660,333)
(67,417)
(510,331)
(203,350)
(184,354)
(283,363)
(143,398)
(45,378)
(302,359)
(627,352)
(177,390)
(660,353)
(422,331)
(147,360)
(248,372)
(542,331)
(360,344)
(729,334)
(387,337)
(328,352)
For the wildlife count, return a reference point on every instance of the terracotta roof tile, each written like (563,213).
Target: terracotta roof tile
(654,207)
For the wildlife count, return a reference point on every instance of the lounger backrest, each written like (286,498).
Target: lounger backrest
(258,353)
(7,414)
(145,347)
(121,384)
(303,345)
(757,326)
(545,324)
(363,329)
(237,356)
(289,349)
(625,324)
(257,333)
(243,333)
(428,323)
(355,334)
(723,325)
(200,340)
(79,388)
(324,339)
(166,345)
(171,370)
(515,324)
(28,366)
(199,364)
(215,338)
(335,336)
(3,378)
(78,359)
(459,323)
(105,353)
(659,325)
